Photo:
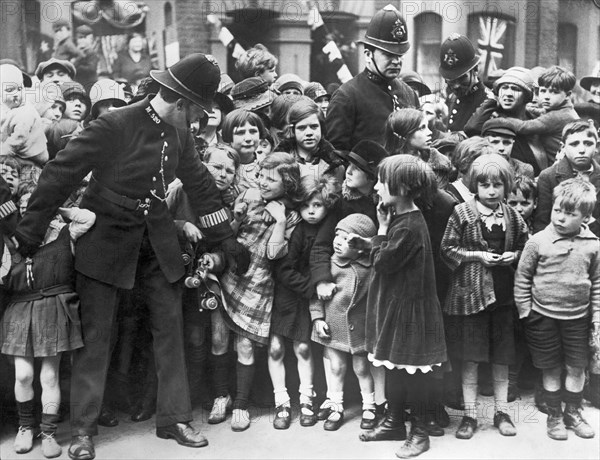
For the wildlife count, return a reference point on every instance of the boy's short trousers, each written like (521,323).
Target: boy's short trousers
(555,342)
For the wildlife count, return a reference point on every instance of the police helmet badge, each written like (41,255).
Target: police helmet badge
(450,58)
(399,31)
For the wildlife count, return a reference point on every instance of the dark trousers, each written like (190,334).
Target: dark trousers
(99,302)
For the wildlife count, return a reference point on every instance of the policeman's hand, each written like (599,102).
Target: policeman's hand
(238,257)
(25,247)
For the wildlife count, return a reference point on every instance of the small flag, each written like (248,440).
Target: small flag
(226,37)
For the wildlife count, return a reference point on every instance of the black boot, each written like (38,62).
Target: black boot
(107,417)
(416,443)
(147,406)
(391,428)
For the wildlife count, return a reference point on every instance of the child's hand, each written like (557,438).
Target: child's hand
(239,210)
(384,216)
(207,262)
(358,242)
(489,259)
(192,233)
(322,329)
(277,210)
(325,290)
(508,258)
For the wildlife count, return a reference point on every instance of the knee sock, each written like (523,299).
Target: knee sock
(282,398)
(571,398)
(469,385)
(336,400)
(368,401)
(244,379)
(26,416)
(306,394)
(500,379)
(220,374)
(554,401)
(49,423)
(395,390)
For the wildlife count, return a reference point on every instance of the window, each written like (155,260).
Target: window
(428,39)
(567,46)
(494,37)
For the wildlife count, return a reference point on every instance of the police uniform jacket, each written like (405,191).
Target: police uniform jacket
(360,107)
(131,153)
(461,108)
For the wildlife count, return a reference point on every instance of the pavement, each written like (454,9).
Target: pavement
(132,440)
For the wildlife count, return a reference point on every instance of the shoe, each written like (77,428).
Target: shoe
(555,427)
(441,416)
(434,429)
(107,417)
(240,420)
(369,422)
(391,428)
(504,424)
(50,447)
(466,428)
(24,440)
(220,408)
(325,410)
(575,421)
(183,433)
(334,421)
(307,415)
(513,393)
(82,448)
(416,443)
(283,417)
(145,412)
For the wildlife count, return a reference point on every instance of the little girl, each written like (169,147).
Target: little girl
(242,130)
(42,321)
(339,324)
(405,331)
(304,138)
(407,131)
(248,298)
(482,244)
(293,290)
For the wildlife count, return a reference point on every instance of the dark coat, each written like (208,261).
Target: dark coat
(122,149)
(460,109)
(325,152)
(550,178)
(359,108)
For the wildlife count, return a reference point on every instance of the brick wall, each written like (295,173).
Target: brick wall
(192,28)
(548,33)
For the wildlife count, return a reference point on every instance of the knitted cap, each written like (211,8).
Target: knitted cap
(252,94)
(289,81)
(519,76)
(315,90)
(359,224)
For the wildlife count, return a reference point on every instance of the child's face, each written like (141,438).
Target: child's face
(421,138)
(55,112)
(522,205)
(313,211)
(62,33)
(341,248)
(551,98)
(263,149)
(11,86)
(502,145)
(271,185)
(567,223)
(357,179)
(490,193)
(11,176)
(75,108)
(215,118)
(579,149)
(268,75)
(23,202)
(291,92)
(323,103)
(383,191)
(222,168)
(595,92)
(245,139)
(308,133)
(510,97)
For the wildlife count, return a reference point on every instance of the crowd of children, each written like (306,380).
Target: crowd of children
(421,266)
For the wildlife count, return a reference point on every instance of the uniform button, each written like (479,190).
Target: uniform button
(145,212)
(451,121)
(458,101)
(147,200)
(154,179)
(166,158)
(454,110)
(162,134)
(352,327)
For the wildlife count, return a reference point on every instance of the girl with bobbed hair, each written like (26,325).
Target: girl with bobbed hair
(258,62)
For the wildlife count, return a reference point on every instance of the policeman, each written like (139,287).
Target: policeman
(359,108)
(458,66)
(133,154)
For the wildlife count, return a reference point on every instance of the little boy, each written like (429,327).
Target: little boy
(578,146)
(502,139)
(523,198)
(557,290)
(555,87)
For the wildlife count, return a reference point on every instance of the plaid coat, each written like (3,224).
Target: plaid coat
(471,283)
(248,298)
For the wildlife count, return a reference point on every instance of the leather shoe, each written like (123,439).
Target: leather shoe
(107,417)
(324,412)
(466,428)
(82,448)
(283,417)
(144,413)
(183,433)
(368,423)
(433,428)
(335,421)
(307,415)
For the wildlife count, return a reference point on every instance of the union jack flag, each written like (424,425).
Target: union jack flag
(491,48)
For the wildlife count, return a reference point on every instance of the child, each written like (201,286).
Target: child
(293,290)
(77,102)
(579,141)
(557,291)
(105,95)
(407,132)
(467,151)
(405,331)
(49,103)
(258,62)
(265,147)
(42,321)
(339,323)
(555,87)
(502,140)
(304,138)
(223,163)
(523,199)
(10,170)
(248,298)
(482,242)
(242,131)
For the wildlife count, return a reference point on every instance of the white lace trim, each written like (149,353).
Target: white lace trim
(407,367)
